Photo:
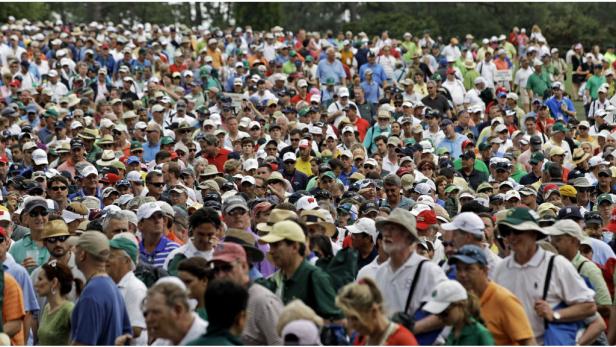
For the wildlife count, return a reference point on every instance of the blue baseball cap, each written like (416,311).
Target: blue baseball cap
(469,254)
(132,160)
(31,109)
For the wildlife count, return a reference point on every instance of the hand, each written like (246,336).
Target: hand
(29,263)
(563,107)
(543,310)
(123,340)
(279,192)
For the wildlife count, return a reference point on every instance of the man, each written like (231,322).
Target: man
(154,182)
(363,240)
(561,107)
(331,68)
(453,140)
(536,171)
(226,303)
(538,82)
(120,264)
(566,235)
(393,198)
(468,171)
(297,278)
(469,229)
(100,300)
(264,307)
(395,275)
(169,317)
(502,312)
(206,229)
(524,273)
(57,190)
(152,145)
(154,247)
(298,179)
(436,100)
(30,251)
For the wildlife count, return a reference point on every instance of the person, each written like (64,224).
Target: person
(362,305)
(363,240)
(528,264)
(154,247)
(458,309)
(296,277)
(263,307)
(100,300)
(226,302)
(399,239)
(54,282)
(206,230)
(120,266)
(196,274)
(30,251)
(501,311)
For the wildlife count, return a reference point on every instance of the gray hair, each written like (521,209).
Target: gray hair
(114,215)
(392,180)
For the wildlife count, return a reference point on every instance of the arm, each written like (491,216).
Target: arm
(28,323)
(611,332)
(572,313)
(11,328)
(430,323)
(527,342)
(593,330)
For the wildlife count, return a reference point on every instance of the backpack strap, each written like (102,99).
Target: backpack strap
(546,286)
(413,285)
(579,268)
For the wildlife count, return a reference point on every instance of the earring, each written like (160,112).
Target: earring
(53,291)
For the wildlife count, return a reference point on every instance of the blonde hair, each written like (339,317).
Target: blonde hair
(296,310)
(359,297)
(470,306)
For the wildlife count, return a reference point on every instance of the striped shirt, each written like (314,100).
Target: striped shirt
(162,250)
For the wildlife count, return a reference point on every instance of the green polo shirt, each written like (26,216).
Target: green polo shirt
(593,84)
(594,275)
(216,337)
(479,166)
(92,156)
(20,250)
(538,83)
(473,334)
(311,285)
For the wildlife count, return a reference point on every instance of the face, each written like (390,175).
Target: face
(156,184)
(158,317)
(42,285)
(205,236)
(237,218)
(196,287)
(235,271)
(392,192)
(57,246)
(521,241)
(36,218)
(58,191)
(117,264)
(154,225)
(394,238)
(115,227)
(471,275)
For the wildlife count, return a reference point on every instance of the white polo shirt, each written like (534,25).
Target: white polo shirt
(395,286)
(527,281)
(133,291)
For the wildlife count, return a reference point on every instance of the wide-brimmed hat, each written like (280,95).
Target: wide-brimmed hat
(318,217)
(246,240)
(107,158)
(579,156)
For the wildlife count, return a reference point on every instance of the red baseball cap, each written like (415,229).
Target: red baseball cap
(549,187)
(3,232)
(4,159)
(15,83)
(110,178)
(425,219)
(403,171)
(229,252)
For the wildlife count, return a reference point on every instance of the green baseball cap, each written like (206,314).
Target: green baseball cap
(483,146)
(441,151)
(51,113)
(450,188)
(330,81)
(166,140)
(558,127)
(536,157)
(484,185)
(521,218)
(605,197)
(127,246)
(135,145)
(304,111)
(329,174)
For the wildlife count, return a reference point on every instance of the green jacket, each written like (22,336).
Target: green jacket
(94,154)
(216,337)
(473,334)
(341,268)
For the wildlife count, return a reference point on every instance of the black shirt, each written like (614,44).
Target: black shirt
(361,262)
(438,103)
(475,178)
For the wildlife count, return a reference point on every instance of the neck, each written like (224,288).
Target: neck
(289,270)
(182,328)
(35,235)
(399,257)
(150,240)
(379,328)
(89,191)
(93,270)
(365,251)
(64,259)
(481,288)
(55,300)
(523,256)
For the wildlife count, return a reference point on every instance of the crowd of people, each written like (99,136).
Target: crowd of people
(167,185)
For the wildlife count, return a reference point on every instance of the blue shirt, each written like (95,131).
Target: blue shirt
(149,152)
(554,105)
(345,178)
(99,316)
(23,278)
(454,146)
(378,73)
(327,70)
(371,91)
(162,250)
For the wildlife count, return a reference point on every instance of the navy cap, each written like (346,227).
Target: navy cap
(469,254)
(570,212)
(445,122)
(60,125)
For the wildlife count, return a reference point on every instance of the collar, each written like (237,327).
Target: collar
(126,279)
(536,260)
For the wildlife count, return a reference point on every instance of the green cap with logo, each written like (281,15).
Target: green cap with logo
(558,127)
(521,218)
(135,145)
(304,111)
(605,197)
(166,140)
(536,157)
(127,246)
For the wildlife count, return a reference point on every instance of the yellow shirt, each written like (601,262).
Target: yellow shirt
(504,315)
(304,166)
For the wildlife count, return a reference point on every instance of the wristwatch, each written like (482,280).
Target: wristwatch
(556,316)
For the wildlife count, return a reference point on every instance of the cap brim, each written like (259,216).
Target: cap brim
(449,226)
(436,307)
(524,226)
(463,258)
(271,238)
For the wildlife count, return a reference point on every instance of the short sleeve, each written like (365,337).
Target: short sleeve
(13,304)
(85,320)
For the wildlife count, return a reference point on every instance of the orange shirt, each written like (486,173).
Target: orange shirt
(504,315)
(173,237)
(13,307)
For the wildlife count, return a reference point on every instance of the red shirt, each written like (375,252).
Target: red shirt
(362,128)
(220,159)
(400,337)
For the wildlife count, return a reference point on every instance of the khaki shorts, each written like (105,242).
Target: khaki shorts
(524,99)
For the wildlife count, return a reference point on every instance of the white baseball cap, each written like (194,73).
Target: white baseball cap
(146,211)
(307,203)
(134,176)
(89,170)
(289,156)
(248,179)
(512,194)
(566,227)
(364,225)
(468,222)
(250,164)
(445,294)
(39,157)
(343,91)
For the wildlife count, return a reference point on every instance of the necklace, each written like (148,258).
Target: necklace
(383,337)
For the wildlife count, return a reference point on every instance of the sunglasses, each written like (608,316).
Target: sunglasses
(223,267)
(55,239)
(236,212)
(157,185)
(35,214)
(368,166)
(58,188)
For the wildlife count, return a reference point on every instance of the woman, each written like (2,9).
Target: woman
(426,167)
(195,273)
(396,129)
(456,308)
(441,184)
(362,304)
(54,283)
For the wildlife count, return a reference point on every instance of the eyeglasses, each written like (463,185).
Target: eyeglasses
(157,185)
(137,151)
(223,267)
(58,188)
(192,150)
(368,166)
(447,243)
(35,214)
(294,140)
(55,239)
